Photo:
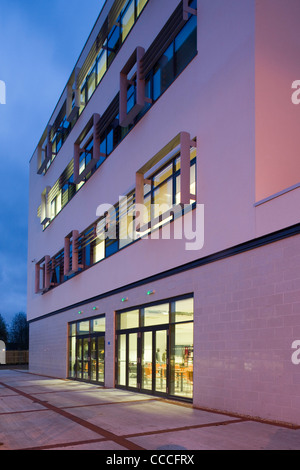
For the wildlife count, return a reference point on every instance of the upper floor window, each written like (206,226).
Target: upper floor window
(175,58)
(110,48)
(128,18)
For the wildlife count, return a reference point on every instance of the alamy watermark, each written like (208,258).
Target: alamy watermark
(2,92)
(296,94)
(296,354)
(188,224)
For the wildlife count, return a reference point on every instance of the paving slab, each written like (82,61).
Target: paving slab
(236,436)
(17,404)
(131,418)
(39,429)
(42,413)
(107,445)
(71,399)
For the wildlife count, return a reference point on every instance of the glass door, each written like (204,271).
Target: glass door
(133,360)
(147,361)
(154,361)
(181,360)
(78,365)
(161,353)
(155,348)
(87,350)
(94,359)
(101,358)
(128,360)
(122,363)
(86,359)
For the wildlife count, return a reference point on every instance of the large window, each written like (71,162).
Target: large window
(120,225)
(155,348)
(87,350)
(108,51)
(125,22)
(175,58)
(164,189)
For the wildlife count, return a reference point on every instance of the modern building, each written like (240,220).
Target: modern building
(164,231)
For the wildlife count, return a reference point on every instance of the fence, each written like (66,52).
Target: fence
(17,357)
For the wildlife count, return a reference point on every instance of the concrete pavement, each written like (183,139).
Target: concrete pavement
(39,413)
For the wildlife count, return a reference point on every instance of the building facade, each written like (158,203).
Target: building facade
(163,223)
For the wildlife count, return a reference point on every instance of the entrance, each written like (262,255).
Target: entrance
(89,365)
(87,350)
(154,351)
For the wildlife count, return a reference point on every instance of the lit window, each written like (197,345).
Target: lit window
(91,83)
(140,6)
(127,19)
(101,65)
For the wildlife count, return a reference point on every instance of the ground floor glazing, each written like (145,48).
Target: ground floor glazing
(154,349)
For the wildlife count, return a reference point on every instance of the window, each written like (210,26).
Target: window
(132,89)
(87,350)
(62,132)
(126,221)
(131,96)
(185,45)
(86,151)
(140,6)
(157,315)
(86,157)
(101,65)
(98,251)
(162,190)
(91,83)
(57,270)
(113,44)
(111,137)
(163,74)
(67,191)
(175,58)
(121,225)
(127,19)
(41,280)
(53,209)
(86,85)
(85,247)
(71,255)
(173,61)
(128,320)
(155,345)
(82,98)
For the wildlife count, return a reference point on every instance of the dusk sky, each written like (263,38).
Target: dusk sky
(40,43)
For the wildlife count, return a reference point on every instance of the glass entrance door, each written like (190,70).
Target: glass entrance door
(128,360)
(87,350)
(86,359)
(143,360)
(161,351)
(101,359)
(154,349)
(147,361)
(94,359)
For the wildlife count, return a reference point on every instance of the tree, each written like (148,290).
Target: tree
(3,330)
(19,331)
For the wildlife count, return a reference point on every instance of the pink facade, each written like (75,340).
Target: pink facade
(277,117)
(246,302)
